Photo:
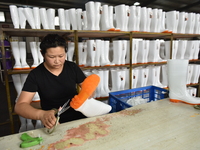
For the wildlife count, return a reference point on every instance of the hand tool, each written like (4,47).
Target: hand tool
(58,112)
(197,107)
(28,141)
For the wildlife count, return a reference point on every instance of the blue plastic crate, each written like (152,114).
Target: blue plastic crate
(118,100)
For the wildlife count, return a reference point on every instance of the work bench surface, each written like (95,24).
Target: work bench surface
(159,125)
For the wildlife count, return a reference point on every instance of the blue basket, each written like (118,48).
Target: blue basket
(118,100)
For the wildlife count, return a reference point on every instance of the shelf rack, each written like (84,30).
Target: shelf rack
(76,34)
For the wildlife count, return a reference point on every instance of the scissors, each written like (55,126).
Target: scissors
(58,112)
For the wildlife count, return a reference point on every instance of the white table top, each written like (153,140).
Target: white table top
(159,125)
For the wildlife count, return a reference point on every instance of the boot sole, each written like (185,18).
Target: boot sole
(26,68)
(177,101)
(17,68)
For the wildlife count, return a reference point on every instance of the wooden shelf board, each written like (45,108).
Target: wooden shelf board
(196,84)
(150,35)
(92,34)
(35,32)
(156,63)
(198,60)
(179,35)
(19,71)
(101,34)
(120,34)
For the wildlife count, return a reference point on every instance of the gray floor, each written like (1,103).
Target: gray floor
(5,129)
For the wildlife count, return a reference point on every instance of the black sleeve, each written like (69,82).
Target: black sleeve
(80,76)
(30,83)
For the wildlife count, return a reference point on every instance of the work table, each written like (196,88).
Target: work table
(159,125)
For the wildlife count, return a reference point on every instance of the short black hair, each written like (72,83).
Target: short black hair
(52,40)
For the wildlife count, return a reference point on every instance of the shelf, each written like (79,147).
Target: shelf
(86,34)
(92,34)
(82,33)
(19,71)
(86,68)
(5,46)
(101,34)
(179,35)
(151,35)
(196,84)
(195,61)
(35,32)
(156,63)
(67,33)
(101,67)
(120,34)
(128,65)
(102,98)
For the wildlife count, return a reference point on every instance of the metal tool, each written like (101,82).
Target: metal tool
(58,113)
(197,107)
(29,141)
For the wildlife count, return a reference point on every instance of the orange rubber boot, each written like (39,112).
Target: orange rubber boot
(89,85)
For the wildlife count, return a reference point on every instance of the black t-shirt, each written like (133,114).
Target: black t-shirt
(53,90)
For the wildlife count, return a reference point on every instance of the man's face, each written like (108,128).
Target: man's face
(55,57)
